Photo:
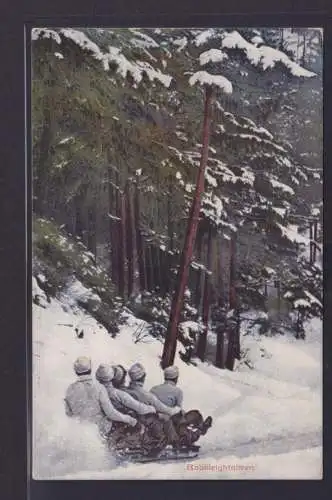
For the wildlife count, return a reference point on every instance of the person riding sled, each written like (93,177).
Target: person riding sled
(121,434)
(88,401)
(119,379)
(190,426)
(160,427)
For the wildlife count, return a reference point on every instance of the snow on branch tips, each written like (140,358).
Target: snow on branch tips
(265,56)
(212,55)
(45,33)
(270,56)
(84,42)
(204,36)
(234,40)
(205,78)
(142,39)
(137,69)
(257,40)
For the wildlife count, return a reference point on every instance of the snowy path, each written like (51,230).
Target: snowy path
(273,445)
(270,416)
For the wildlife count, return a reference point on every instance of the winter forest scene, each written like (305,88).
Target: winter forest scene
(177,277)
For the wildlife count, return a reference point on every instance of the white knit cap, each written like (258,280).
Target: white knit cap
(104,373)
(171,372)
(136,372)
(82,365)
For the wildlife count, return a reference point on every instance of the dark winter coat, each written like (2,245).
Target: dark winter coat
(168,393)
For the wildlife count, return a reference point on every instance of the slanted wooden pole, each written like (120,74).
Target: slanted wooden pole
(186,256)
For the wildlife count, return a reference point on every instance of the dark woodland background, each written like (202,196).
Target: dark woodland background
(114,170)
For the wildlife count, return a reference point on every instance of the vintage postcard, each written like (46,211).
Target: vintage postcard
(177,252)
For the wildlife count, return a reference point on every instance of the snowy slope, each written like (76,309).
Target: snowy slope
(269,418)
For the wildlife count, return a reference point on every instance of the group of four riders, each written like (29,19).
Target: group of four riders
(129,416)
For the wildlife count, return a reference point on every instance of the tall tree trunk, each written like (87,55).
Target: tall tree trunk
(298,48)
(129,240)
(168,271)
(237,344)
(282,39)
(42,168)
(198,288)
(155,267)
(78,217)
(147,262)
(220,272)
(230,358)
(220,348)
(304,49)
(148,267)
(122,246)
(92,230)
(139,242)
(163,272)
(315,241)
(114,225)
(170,225)
(159,268)
(177,302)
(206,298)
(233,340)
(232,275)
(311,257)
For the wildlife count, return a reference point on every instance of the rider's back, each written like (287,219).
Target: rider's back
(82,397)
(168,393)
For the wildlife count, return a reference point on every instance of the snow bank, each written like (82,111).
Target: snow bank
(300,464)
(278,400)
(77,291)
(60,444)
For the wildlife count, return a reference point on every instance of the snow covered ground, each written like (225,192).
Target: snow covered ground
(267,421)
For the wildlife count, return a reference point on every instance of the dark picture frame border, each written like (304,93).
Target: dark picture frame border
(15,242)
